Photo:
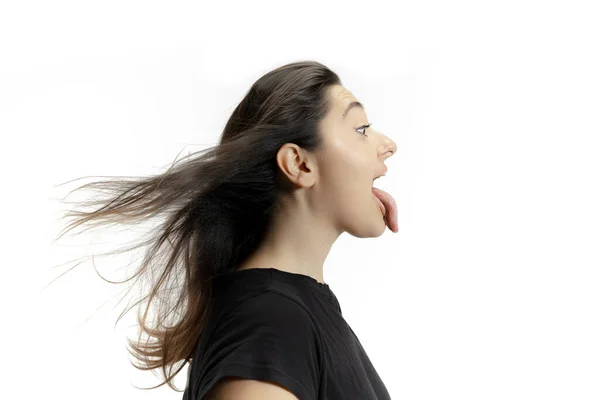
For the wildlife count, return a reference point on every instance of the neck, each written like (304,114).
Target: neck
(297,242)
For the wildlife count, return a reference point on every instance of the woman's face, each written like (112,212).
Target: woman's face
(352,157)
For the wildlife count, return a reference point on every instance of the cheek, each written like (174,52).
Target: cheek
(345,160)
(341,167)
(346,185)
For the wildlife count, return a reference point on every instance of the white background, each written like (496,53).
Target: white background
(491,288)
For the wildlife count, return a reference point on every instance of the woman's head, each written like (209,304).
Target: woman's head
(338,178)
(288,149)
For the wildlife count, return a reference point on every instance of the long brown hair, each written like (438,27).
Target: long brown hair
(216,204)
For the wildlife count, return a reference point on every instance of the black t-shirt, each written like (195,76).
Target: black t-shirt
(286,328)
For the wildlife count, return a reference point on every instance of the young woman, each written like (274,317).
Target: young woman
(249,224)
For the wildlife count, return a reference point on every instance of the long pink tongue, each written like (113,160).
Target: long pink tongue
(391,209)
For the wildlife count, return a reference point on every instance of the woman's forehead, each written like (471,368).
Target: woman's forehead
(342,99)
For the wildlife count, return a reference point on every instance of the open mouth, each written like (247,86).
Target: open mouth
(380,204)
(388,208)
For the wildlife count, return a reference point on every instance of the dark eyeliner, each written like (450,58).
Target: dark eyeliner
(363,127)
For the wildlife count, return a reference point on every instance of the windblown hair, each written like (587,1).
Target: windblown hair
(215,207)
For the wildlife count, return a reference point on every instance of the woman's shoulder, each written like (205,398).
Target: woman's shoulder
(260,290)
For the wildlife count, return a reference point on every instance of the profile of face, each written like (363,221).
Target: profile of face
(353,157)
(340,175)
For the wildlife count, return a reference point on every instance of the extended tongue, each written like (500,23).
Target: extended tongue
(391,209)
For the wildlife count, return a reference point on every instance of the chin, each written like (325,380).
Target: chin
(381,229)
(369,229)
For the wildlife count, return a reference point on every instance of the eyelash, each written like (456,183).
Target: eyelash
(363,127)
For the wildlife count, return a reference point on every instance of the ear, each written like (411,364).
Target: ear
(296,166)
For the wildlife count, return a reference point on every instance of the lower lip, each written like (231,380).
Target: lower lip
(379,205)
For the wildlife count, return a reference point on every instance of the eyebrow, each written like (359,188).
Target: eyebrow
(352,105)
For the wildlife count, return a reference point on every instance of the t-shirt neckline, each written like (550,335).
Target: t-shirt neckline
(286,276)
(294,277)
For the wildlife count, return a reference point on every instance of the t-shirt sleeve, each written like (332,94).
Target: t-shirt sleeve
(269,337)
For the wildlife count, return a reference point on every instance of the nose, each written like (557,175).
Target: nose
(387,148)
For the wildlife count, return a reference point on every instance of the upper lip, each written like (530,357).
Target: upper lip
(383,173)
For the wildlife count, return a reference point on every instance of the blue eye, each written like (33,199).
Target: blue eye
(363,127)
